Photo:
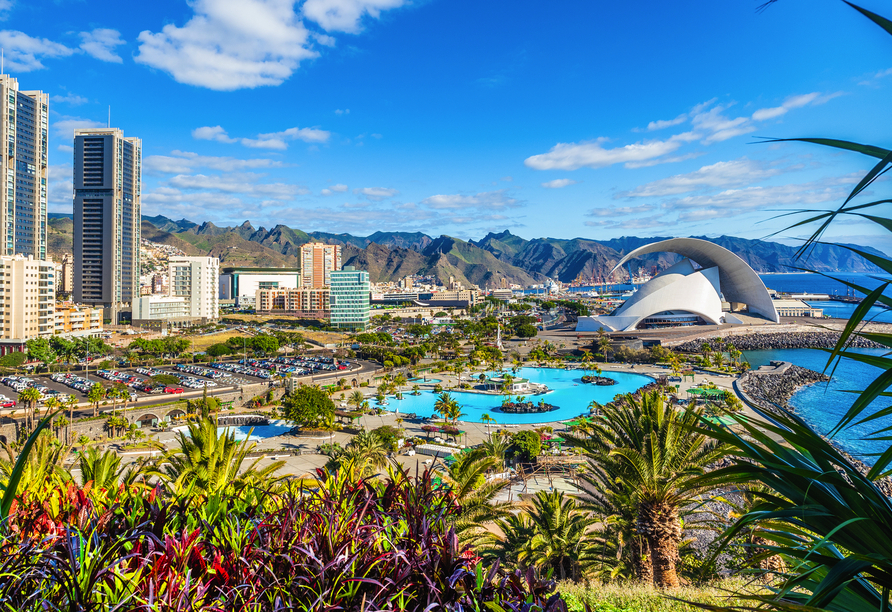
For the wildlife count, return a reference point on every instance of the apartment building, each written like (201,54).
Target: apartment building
(162,312)
(27,301)
(317,262)
(24,127)
(77,320)
(107,177)
(65,274)
(196,280)
(350,295)
(306,303)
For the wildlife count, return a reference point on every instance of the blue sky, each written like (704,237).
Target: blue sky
(563,119)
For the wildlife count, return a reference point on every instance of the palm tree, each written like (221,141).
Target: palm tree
(398,381)
(208,461)
(356,399)
(102,469)
(487,420)
(647,456)
(96,395)
(364,454)
(44,468)
(496,448)
(560,528)
(446,406)
(514,547)
(70,402)
(466,479)
(29,398)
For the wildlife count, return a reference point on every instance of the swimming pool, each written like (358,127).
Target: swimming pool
(568,393)
(421,380)
(275,428)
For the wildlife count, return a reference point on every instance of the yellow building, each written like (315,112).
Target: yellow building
(78,320)
(307,303)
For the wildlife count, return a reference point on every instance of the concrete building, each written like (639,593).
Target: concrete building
(196,280)
(241,284)
(162,312)
(797,308)
(107,175)
(73,320)
(305,303)
(27,301)
(684,295)
(317,262)
(24,128)
(350,293)
(65,279)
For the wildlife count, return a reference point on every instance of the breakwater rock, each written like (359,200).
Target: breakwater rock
(770,388)
(778,340)
(601,381)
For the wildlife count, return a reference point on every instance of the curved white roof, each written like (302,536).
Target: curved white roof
(739,283)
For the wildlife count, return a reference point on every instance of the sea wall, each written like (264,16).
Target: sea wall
(779,340)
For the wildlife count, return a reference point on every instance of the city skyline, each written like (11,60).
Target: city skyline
(459,118)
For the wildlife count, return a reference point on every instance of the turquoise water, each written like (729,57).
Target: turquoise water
(260,432)
(569,394)
(822,405)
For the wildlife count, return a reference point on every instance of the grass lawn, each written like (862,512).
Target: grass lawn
(201,343)
(634,597)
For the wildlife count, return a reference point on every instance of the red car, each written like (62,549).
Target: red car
(173,389)
(7,404)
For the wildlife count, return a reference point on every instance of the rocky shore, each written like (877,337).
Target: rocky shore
(781,340)
(770,390)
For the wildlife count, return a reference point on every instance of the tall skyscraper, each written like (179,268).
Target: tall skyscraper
(317,261)
(107,173)
(350,294)
(24,124)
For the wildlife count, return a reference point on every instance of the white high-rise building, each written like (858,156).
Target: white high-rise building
(27,301)
(196,279)
(107,175)
(24,127)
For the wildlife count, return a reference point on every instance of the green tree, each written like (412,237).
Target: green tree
(40,349)
(560,529)
(309,407)
(466,479)
(526,445)
(448,407)
(29,398)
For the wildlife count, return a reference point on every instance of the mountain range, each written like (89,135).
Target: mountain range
(388,256)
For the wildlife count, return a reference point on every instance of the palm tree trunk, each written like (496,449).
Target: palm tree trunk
(658,523)
(641,560)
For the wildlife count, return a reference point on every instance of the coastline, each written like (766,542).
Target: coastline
(773,386)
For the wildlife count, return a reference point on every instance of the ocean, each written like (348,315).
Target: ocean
(822,405)
(815,283)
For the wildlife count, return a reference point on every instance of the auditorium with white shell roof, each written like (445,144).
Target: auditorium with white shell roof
(689,294)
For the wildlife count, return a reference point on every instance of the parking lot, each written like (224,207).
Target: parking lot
(217,376)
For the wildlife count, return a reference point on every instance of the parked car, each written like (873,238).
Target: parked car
(173,389)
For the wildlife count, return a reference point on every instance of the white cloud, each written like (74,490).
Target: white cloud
(246,184)
(230,44)
(101,43)
(65,148)
(629,224)
(342,112)
(659,125)
(617,211)
(572,156)
(60,187)
(731,202)
(278,140)
(70,99)
(736,173)
(879,75)
(24,53)
(558,183)
(486,199)
(345,15)
(64,126)
(339,188)
(212,133)
(5,7)
(792,102)
(376,193)
(183,162)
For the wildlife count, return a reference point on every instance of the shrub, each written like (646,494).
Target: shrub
(13,360)
(219,350)
(526,445)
